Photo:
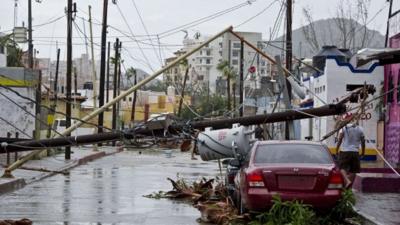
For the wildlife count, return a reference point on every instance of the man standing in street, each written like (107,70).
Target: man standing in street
(352,137)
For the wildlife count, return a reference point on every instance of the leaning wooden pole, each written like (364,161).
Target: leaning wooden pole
(20,162)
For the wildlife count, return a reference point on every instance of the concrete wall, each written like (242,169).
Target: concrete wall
(24,82)
(392,123)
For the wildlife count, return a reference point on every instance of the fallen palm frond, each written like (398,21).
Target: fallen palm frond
(207,195)
(211,199)
(16,222)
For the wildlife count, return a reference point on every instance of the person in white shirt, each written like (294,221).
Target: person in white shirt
(352,136)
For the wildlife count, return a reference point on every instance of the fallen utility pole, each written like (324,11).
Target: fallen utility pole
(27,145)
(29,156)
(327,110)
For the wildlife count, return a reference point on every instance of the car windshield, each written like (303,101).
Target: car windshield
(292,153)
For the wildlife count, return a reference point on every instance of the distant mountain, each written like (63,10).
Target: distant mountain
(327,32)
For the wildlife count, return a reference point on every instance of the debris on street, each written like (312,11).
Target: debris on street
(209,196)
(16,222)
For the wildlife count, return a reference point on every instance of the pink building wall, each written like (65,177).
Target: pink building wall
(392,102)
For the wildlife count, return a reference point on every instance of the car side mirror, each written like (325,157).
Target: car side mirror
(234,163)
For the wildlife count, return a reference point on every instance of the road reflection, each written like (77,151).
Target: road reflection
(110,191)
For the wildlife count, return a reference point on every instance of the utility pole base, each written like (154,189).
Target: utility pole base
(95,148)
(7,174)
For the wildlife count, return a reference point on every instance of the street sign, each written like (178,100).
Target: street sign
(252,69)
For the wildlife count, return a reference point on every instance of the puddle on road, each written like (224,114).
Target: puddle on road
(110,191)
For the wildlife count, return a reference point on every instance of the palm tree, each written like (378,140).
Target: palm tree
(14,53)
(227,72)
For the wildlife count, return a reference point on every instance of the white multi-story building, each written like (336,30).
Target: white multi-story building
(204,63)
(337,80)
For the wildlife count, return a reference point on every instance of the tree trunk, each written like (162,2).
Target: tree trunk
(228,92)
(183,91)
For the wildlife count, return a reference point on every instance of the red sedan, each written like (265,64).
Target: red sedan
(299,170)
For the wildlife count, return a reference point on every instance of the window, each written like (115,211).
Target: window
(208,52)
(1,49)
(200,77)
(201,52)
(130,99)
(208,61)
(201,61)
(124,99)
(290,153)
(235,53)
(63,123)
(323,88)
(235,62)
(236,45)
(262,71)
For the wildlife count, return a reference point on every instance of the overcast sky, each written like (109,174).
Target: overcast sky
(160,16)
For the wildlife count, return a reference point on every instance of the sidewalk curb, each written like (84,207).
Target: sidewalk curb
(368,220)
(19,183)
(71,165)
(12,185)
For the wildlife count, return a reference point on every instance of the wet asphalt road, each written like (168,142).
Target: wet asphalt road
(110,191)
